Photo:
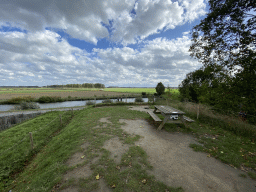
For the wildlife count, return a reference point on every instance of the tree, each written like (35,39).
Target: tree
(227,37)
(160,88)
(202,84)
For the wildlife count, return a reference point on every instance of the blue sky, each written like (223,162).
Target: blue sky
(130,43)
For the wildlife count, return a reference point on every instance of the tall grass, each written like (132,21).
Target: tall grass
(208,116)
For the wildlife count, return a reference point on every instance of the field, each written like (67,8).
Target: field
(36,93)
(63,93)
(137,90)
(111,149)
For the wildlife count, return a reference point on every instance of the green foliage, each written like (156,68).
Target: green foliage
(160,88)
(48,99)
(107,101)
(143,93)
(139,99)
(17,100)
(27,105)
(227,37)
(90,103)
(204,84)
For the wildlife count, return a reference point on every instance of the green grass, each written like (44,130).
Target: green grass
(42,90)
(228,140)
(15,146)
(138,90)
(44,170)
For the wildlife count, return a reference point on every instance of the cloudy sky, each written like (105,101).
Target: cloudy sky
(130,43)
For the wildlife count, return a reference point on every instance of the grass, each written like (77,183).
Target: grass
(225,138)
(44,170)
(14,160)
(138,90)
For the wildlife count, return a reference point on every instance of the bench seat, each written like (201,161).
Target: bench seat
(188,119)
(154,116)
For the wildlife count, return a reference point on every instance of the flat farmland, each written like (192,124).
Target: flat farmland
(63,93)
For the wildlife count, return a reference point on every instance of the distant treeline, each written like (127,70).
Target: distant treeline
(84,85)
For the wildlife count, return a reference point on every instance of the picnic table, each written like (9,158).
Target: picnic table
(170,115)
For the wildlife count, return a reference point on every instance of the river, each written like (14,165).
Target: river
(67,104)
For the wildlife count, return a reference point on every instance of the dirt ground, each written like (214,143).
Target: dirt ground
(174,162)
(62,94)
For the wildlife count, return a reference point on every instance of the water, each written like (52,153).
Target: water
(67,104)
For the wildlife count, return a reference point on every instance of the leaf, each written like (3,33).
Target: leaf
(82,156)
(113,186)
(97,177)
(144,181)
(209,155)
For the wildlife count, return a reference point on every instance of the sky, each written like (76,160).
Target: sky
(125,43)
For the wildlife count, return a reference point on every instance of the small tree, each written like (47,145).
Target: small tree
(160,88)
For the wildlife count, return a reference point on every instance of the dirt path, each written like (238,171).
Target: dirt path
(176,164)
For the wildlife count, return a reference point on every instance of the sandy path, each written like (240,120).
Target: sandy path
(176,164)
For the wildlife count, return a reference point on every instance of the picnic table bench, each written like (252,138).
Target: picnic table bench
(170,114)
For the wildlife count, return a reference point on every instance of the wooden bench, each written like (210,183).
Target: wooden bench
(154,116)
(188,119)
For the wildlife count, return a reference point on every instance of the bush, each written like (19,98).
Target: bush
(160,88)
(107,101)
(18,100)
(90,103)
(48,99)
(139,99)
(144,93)
(27,105)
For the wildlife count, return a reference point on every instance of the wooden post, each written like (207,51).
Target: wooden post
(60,121)
(31,140)
(198,112)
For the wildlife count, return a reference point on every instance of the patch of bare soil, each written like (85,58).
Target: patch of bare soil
(75,159)
(70,189)
(80,172)
(176,164)
(102,187)
(117,149)
(105,120)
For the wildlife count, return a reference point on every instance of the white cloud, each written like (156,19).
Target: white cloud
(47,59)
(87,20)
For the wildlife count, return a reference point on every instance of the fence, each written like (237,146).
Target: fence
(10,120)
(30,134)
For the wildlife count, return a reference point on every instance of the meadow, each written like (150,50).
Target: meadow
(65,94)
(16,95)
(44,167)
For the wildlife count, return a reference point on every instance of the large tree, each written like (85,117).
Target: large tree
(227,36)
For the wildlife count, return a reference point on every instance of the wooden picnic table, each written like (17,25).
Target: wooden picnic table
(168,113)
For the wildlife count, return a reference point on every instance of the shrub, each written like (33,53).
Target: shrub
(107,101)
(48,99)
(17,100)
(27,105)
(144,93)
(90,103)
(139,99)
(160,88)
